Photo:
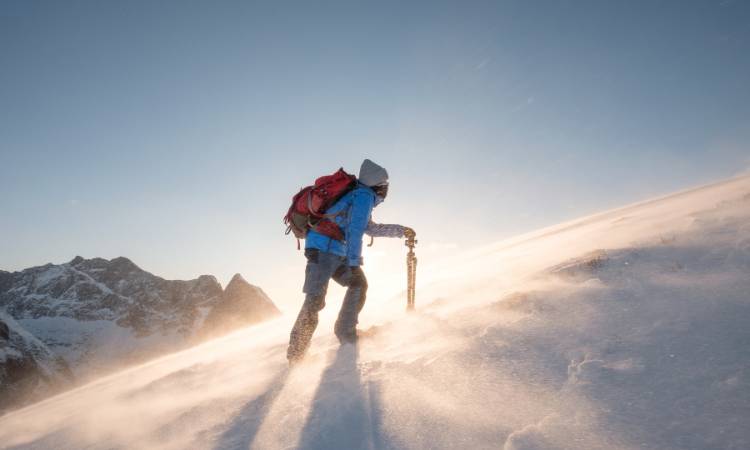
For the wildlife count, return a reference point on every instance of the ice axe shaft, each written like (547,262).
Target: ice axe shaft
(411,273)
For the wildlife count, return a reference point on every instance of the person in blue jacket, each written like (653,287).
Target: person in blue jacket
(328,258)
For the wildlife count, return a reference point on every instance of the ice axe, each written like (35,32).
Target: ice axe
(411,270)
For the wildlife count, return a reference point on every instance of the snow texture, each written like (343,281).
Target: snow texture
(622,330)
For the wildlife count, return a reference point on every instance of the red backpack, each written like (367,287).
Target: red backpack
(310,204)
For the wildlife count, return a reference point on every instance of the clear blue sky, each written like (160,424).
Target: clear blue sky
(175,133)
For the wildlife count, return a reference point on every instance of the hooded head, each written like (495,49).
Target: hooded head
(372,174)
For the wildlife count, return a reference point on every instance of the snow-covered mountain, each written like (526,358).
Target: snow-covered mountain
(627,329)
(73,320)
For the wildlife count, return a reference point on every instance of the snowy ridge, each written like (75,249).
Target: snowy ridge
(626,330)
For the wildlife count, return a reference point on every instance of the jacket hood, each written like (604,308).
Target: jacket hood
(371,174)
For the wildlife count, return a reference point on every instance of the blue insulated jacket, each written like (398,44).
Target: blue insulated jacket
(357,206)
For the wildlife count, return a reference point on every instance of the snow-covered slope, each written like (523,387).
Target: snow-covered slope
(627,329)
(93,315)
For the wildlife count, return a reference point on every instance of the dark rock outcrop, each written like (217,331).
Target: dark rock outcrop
(239,305)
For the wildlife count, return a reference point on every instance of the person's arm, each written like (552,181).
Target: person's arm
(362,204)
(390,230)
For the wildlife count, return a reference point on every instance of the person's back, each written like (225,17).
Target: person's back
(341,260)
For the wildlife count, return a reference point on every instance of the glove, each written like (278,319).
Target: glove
(409,233)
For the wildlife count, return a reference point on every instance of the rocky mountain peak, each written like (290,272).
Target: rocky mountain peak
(209,280)
(237,278)
(77,260)
(124,263)
(238,283)
(240,304)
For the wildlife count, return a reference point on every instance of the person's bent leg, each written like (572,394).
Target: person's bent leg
(346,324)
(304,327)
(317,273)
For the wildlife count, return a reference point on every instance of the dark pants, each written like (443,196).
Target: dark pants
(321,267)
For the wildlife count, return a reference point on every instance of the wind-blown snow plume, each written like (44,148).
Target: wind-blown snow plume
(626,329)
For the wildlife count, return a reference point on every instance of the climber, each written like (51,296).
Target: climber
(341,260)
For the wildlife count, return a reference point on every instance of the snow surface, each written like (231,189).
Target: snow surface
(627,329)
